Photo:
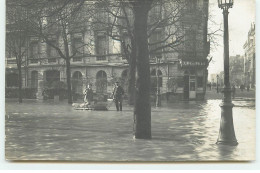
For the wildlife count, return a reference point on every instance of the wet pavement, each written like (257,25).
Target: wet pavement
(181,131)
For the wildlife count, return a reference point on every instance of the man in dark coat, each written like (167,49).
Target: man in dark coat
(118,93)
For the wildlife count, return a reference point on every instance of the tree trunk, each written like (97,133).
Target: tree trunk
(131,75)
(20,97)
(142,109)
(68,81)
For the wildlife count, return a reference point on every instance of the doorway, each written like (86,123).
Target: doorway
(186,87)
(192,92)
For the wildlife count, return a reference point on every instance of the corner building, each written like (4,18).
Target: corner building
(181,72)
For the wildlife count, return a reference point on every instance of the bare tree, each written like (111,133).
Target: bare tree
(163,16)
(142,110)
(57,23)
(163,32)
(17,36)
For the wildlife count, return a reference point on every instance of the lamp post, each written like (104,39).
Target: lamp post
(226,132)
(248,78)
(217,83)
(158,94)
(249,69)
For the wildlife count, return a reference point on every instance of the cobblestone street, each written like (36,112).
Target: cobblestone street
(181,131)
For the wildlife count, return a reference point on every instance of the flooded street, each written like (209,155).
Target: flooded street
(182,131)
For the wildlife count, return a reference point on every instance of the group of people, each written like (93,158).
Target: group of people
(117,95)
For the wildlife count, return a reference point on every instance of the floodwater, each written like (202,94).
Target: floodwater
(181,131)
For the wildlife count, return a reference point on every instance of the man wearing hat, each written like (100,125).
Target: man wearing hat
(118,92)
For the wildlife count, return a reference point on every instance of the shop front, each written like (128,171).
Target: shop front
(193,79)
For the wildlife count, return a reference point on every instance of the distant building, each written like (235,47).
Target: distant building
(236,70)
(249,58)
(213,78)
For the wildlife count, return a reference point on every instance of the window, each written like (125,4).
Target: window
(129,17)
(101,48)
(101,45)
(200,82)
(78,46)
(101,82)
(34,79)
(125,47)
(191,5)
(34,50)
(154,82)
(102,16)
(155,14)
(190,43)
(51,52)
(154,41)
(180,81)
(9,52)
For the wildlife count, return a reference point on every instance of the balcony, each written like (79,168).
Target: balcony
(33,61)
(101,58)
(11,61)
(77,59)
(52,60)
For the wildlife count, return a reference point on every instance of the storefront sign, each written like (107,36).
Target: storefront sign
(187,63)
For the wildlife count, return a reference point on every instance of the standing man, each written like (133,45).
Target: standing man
(88,95)
(117,96)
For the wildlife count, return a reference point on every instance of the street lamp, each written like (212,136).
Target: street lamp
(226,132)
(158,94)
(249,68)
(248,78)
(217,83)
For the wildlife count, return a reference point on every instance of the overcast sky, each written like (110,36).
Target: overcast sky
(240,18)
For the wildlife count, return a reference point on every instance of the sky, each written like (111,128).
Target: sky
(241,16)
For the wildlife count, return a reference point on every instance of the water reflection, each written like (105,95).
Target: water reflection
(180,132)
(226,152)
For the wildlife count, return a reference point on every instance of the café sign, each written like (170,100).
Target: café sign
(189,63)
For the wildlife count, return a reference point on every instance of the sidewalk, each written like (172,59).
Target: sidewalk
(180,132)
(212,94)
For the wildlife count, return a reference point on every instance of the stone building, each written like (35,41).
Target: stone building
(236,68)
(183,73)
(249,58)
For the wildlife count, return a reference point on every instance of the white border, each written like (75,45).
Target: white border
(110,166)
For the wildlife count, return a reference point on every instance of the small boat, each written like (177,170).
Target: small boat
(99,105)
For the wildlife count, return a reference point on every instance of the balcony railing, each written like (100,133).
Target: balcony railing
(101,58)
(13,61)
(34,61)
(52,60)
(77,59)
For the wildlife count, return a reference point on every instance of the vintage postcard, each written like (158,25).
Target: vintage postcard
(130,80)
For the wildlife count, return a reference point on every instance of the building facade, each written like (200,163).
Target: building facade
(249,58)
(236,68)
(183,73)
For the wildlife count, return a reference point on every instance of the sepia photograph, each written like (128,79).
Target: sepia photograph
(130,81)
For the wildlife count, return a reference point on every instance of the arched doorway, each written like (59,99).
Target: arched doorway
(77,83)
(34,79)
(101,82)
(11,80)
(154,82)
